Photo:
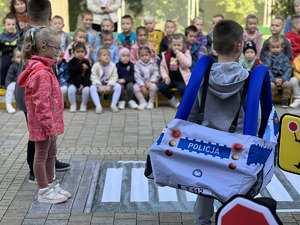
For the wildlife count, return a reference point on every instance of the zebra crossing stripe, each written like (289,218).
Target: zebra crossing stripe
(167,194)
(190,197)
(277,191)
(139,186)
(293,179)
(112,186)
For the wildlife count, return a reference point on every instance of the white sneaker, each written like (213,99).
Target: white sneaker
(142,106)
(121,105)
(150,105)
(58,189)
(82,108)
(174,102)
(132,104)
(295,104)
(10,109)
(49,195)
(98,110)
(73,108)
(114,109)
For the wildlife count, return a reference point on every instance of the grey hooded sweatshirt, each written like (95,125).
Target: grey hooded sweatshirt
(225,86)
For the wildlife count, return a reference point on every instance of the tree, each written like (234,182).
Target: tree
(283,8)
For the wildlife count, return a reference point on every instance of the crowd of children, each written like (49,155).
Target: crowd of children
(149,60)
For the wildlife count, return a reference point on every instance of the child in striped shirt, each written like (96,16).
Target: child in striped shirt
(201,38)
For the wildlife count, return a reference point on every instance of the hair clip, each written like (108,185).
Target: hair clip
(34,30)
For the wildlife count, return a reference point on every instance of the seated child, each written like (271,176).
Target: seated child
(142,41)
(107,42)
(57,23)
(93,37)
(226,82)
(279,68)
(192,45)
(251,33)
(288,26)
(79,81)
(249,59)
(170,28)
(8,42)
(126,78)
(11,79)
(108,24)
(80,35)
(201,38)
(295,82)
(127,37)
(209,36)
(62,74)
(154,36)
(146,76)
(174,69)
(104,79)
(294,35)
(276,29)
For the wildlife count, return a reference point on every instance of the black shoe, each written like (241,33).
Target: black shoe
(284,103)
(61,166)
(31,179)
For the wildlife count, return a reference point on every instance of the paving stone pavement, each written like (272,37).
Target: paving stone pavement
(88,137)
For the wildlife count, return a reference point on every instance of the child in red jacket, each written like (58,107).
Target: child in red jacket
(44,105)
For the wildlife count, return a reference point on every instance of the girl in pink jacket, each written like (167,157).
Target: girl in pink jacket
(174,68)
(44,105)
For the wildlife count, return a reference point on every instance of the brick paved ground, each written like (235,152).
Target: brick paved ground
(88,137)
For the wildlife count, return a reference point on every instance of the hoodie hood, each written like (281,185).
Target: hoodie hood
(226,79)
(35,64)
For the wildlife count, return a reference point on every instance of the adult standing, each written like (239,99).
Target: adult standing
(104,9)
(19,9)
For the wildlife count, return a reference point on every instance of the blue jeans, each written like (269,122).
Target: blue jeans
(164,88)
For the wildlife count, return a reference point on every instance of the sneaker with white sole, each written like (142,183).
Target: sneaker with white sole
(10,109)
(31,179)
(295,104)
(121,105)
(174,102)
(50,196)
(98,110)
(150,105)
(58,189)
(114,109)
(132,104)
(142,106)
(82,108)
(73,108)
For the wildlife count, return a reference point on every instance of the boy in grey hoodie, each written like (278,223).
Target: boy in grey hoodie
(225,86)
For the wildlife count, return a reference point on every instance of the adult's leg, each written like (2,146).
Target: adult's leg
(203,210)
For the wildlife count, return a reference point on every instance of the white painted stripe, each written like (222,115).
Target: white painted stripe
(139,186)
(293,179)
(277,190)
(190,197)
(167,194)
(112,185)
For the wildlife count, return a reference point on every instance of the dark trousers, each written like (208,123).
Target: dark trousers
(97,27)
(30,151)
(5,64)
(165,89)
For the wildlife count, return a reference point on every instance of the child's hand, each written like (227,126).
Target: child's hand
(176,51)
(278,82)
(148,84)
(128,68)
(53,137)
(101,89)
(144,90)
(80,87)
(121,81)
(84,66)
(107,89)
(167,80)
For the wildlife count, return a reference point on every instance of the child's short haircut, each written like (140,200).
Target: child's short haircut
(294,20)
(280,18)
(195,19)
(170,21)
(140,28)
(9,16)
(218,15)
(111,22)
(149,17)
(80,30)
(78,45)
(189,29)
(57,17)
(106,33)
(86,12)
(12,7)
(251,16)
(38,10)
(102,50)
(276,39)
(127,17)
(227,34)
(296,2)
(144,48)
(178,36)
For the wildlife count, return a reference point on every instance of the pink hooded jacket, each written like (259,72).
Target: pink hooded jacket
(43,99)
